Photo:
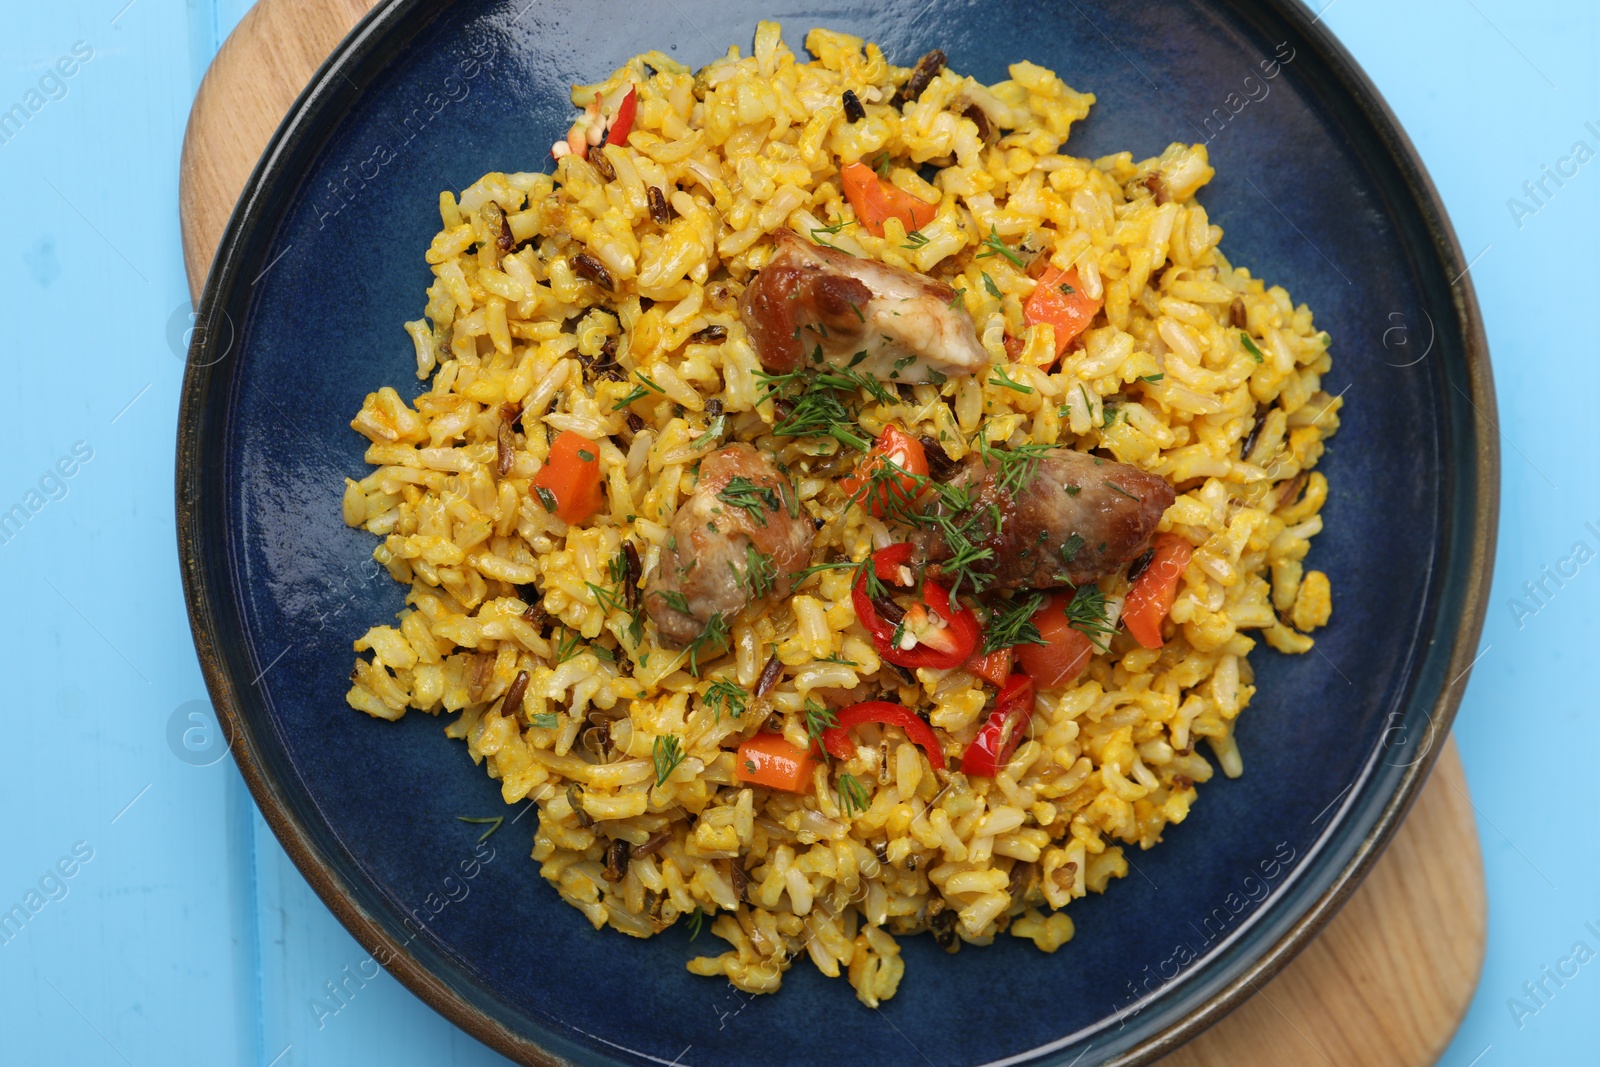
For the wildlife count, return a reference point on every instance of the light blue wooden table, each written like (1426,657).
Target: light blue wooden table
(164,924)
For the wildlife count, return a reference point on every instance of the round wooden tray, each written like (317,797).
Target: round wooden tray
(1388,981)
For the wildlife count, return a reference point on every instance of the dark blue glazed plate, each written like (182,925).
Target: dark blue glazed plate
(1317,189)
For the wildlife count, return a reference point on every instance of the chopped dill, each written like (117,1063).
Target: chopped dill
(725,695)
(667,753)
(997,247)
(493,822)
(853,796)
(1013,625)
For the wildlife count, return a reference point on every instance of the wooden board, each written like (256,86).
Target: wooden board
(1386,983)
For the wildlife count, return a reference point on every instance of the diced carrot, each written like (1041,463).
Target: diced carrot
(994,668)
(1154,590)
(767,759)
(1059,299)
(570,478)
(1065,652)
(876,200)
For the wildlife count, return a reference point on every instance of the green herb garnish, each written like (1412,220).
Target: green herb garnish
(760,573)
(546,720)
(667,753)
(493,822)
(853,796)
(547,498)
(639,393)
(953,300)
(991,287)
(1005,382)
(726,696)
(1250,347)
(1071,547)
(1088,615)
(998,247)
(819,717)
(757,500)
(1152,378)
(714,636)
(1013,625)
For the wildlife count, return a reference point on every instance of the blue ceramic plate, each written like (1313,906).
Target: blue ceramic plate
(1317,189)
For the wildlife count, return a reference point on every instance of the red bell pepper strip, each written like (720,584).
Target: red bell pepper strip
(1064,651)
(895,446)
(992,749)
(994,667)
(767,759)
(945,636)
(622,125)
(876,200)
(836,739)
(1155,589)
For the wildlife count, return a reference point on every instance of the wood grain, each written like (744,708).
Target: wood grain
(1386,983)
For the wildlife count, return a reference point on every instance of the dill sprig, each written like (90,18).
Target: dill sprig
(1013,624)
(1250,347)
(1087,614)
(757,500)
(853,796)
(827,231)
(697,919)
(725,695)
(1005,381)
(667,753)
(819,409)
(713,637)
(819,717)
(493,822)
(997,247)
(760,573)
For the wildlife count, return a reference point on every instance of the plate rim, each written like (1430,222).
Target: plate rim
(378,30)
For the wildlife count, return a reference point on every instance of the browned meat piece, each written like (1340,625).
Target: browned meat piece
(738,539)
(1076,519)
(885,322)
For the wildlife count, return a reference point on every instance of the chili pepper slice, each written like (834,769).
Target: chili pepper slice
(622,125)
(836,739)
(944,636)
(994,667)
(998,740)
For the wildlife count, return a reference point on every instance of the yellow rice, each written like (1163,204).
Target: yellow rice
(743,147)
